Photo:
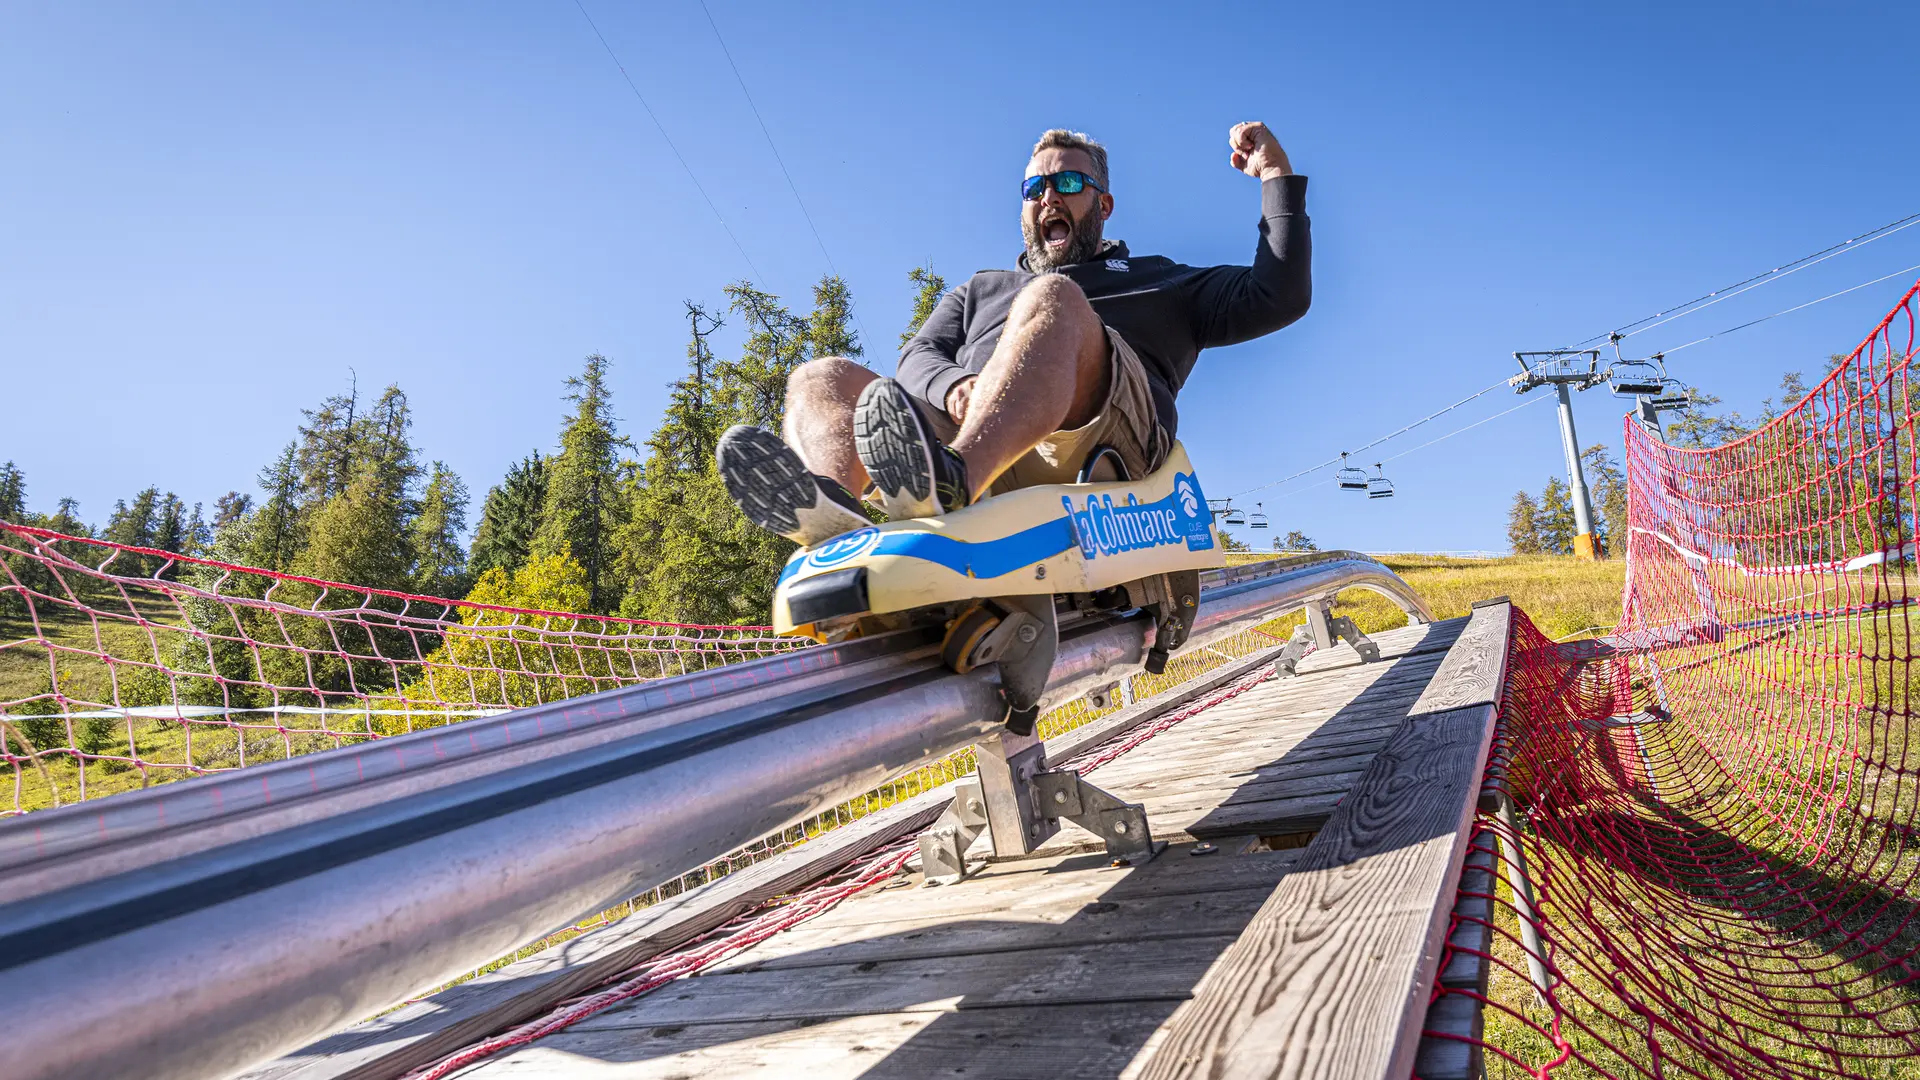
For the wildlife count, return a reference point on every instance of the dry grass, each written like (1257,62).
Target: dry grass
(1564,596)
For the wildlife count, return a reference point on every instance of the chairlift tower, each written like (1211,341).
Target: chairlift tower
(1567,370)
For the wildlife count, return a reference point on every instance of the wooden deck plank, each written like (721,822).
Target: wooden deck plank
(1032,1043)
(1019,888)
(1056,966)
(1331,979)
(1160,970)
(1072,919)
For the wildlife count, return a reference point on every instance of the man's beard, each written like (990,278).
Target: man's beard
(1083,243)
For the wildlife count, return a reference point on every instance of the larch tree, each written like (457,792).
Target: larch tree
(1609,490)
(230,508)
(1555,519)
(754,386)
(929,287)
(278,528)
(1523,525)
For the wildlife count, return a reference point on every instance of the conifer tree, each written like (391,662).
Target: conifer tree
(1523,525)
(509,518)
(279,528)
(1699,427)
(1609,497)
(439,563)
(359,536)
(1555,519)
(66,519)
(583,509)
(170,529)
(13,494)
(688,432)
(929,288)
(323,453)
(830,328)
(230,508)
(133,525)
(755,386)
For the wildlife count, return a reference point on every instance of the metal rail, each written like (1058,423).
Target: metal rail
(198,928)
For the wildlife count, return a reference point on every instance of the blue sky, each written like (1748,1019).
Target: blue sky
(210,213)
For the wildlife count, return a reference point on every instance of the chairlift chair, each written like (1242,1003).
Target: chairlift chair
(1350,478)
(1638,378)
(1257,520)
(1678,398)
(1378,486)
(1234,518)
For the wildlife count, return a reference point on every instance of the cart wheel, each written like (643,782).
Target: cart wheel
(964,636)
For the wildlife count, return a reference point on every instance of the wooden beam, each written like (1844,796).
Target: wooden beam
(1474,671)
(1332,976)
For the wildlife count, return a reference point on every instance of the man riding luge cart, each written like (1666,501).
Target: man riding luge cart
(1026,448)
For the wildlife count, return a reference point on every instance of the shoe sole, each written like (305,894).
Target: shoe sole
(776,490)
(891,444)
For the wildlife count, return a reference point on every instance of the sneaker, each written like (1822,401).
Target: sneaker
(917,474)
(775,490)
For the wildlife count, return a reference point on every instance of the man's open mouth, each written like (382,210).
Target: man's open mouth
(1056,231)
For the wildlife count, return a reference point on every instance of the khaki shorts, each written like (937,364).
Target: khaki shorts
(1126,424)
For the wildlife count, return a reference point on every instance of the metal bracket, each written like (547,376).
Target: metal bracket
(943,848)
(1326,628)
(1287,664)
(1022,803)
(1122,826)
(1007,765)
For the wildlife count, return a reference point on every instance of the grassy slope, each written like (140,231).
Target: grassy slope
(1565,597)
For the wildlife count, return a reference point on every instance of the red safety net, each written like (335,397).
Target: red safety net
(122,667)
(1719,817)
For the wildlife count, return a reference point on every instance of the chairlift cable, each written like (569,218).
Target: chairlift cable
(1384,438)
(1883,231)
(1791,310)
(641,98)
(1727,292)
(782,162)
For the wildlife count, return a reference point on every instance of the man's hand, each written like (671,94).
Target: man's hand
(957,397)
(1256,152)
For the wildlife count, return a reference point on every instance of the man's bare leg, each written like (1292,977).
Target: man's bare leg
(819,421)
(776,482)
(1050,372)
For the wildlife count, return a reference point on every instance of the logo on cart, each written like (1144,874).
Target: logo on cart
(1104,528)
(1189,497)
(844,548)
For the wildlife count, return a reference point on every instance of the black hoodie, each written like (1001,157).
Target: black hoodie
(1167,311)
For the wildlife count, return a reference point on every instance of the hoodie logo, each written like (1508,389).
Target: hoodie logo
(1117,264)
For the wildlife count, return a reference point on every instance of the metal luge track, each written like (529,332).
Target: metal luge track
(200,927)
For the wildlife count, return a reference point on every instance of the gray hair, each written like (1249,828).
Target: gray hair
(1062,139)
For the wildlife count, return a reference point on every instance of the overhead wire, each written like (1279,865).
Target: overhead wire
(1791,310)
(641,98)
(1728,292)
(1665,316)
(1440,439)
(782,162)
(1484,391)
